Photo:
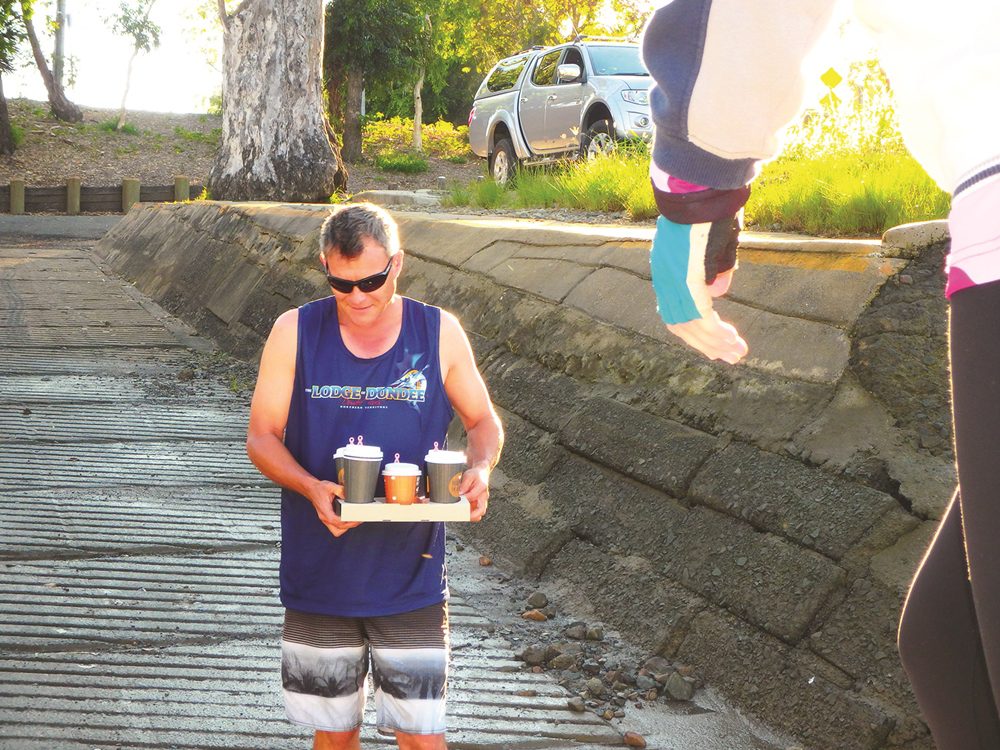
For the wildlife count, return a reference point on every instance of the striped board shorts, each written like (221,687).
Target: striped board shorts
(325,664)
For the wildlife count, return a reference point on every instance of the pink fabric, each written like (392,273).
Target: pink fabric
(974,225)
(677,185)
(670,184)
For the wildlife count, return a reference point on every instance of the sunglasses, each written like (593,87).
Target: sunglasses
(367,284)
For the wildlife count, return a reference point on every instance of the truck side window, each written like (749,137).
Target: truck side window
(545,70)
(506,73)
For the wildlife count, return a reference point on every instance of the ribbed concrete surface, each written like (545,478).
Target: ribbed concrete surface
(138,547)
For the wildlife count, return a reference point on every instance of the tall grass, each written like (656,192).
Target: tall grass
(832,194)
(616,183)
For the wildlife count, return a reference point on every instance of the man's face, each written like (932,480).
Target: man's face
(358,307)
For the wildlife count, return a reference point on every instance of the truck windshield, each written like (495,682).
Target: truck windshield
(616,61)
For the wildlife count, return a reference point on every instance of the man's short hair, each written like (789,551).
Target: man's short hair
(347,225)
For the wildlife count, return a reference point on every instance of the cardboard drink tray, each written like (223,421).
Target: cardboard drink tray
(422,510)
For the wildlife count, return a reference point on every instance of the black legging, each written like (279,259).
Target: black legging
(949,634)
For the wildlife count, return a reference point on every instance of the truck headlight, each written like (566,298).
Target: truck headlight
(635,97)
(641,122)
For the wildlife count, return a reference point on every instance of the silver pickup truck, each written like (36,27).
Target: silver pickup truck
(560,102)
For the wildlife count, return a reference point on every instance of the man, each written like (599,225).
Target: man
(377,591)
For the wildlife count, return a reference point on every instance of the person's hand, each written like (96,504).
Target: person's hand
(322,497)
(475,486)
(691,264)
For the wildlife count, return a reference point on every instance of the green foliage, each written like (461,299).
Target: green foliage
(484,194)
(864,121)
(132,22)
(401,162)
(195,136)
(844,168)
(11,34)
(16,134)
(214,106)
(385,39)
(441,139)
(111,126)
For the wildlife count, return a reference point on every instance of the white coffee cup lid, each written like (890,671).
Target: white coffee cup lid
(437,456)
(362,451)
(401,470)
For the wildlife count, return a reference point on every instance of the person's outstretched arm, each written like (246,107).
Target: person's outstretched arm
(728,80)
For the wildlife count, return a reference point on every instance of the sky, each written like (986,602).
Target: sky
(176,77)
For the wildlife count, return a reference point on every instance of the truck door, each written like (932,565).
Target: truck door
(564,106)
(535,94)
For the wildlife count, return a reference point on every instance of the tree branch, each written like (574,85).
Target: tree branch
(223,16)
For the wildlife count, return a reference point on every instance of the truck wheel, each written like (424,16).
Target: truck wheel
(599,139)
(503,162)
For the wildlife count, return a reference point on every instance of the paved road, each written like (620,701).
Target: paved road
(138,546)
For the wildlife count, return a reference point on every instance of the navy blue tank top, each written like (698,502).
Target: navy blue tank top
(397,402)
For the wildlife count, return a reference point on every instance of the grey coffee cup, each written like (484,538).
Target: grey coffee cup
(444,474)
(362,465)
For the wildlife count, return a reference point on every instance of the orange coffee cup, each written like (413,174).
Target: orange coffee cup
(401,482)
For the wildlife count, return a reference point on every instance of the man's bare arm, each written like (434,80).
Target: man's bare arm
(268,417)
(467,393)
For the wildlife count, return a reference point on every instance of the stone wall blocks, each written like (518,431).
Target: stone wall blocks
(423,237)
(789,498)
(541,396)
(655,451)
(777,688)
(529,453)
(546,278)
(757,576)
(626,592)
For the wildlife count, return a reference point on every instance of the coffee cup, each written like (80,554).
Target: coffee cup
(361,468)
(338,462)
(401,482)
(444,475)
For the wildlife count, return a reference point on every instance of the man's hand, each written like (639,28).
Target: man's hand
(475,486)
(683,256)
(322,497)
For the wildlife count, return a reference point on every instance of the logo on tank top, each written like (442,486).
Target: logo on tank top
(411,388)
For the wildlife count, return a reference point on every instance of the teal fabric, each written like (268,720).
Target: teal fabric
(668,263)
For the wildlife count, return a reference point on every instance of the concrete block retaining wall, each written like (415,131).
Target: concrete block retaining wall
(760,522)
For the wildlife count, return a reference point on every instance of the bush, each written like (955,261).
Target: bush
(16,134)
(401,162)
(440,139)
(111,126)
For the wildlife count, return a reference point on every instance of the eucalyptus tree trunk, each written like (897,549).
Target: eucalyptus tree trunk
(352,114)
(274,142)
(6,136)
(418,112)
(58,55)
(61,107)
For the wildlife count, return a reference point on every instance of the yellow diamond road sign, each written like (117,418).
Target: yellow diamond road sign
(831,78)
